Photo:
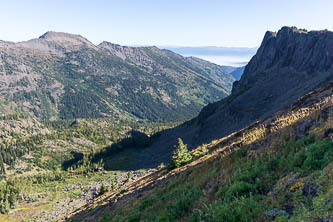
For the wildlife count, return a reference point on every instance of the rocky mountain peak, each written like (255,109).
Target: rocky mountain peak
(111,46)
(62,36)
(67,40)
(137,55)
(117,47)
(292,48)
(57,42)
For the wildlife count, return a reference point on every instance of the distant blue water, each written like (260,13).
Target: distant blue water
(235,61)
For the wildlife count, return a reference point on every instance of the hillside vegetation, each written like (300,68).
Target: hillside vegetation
(48,169)
(279,169)
(50,145)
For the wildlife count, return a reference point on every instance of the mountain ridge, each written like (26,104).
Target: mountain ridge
(48,77)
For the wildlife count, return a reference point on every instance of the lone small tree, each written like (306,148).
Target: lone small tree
(180,156)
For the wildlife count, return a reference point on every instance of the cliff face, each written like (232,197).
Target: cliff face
(288,64)
(297,50)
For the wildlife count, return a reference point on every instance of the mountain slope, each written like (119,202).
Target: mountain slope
(65,76)
(279,169)
(288,64)
(238,72)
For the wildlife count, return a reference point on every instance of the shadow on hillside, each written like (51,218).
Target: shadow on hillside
(76,158)
(123,155)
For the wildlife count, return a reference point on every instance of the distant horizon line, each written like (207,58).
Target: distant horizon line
(208,46)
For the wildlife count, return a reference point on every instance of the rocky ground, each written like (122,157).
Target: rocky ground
(88,193)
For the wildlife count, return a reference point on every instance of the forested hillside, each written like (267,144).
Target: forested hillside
(47,162)
(65,76)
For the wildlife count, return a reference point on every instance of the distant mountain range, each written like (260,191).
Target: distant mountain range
(65,76)
(213,50)
(236,72)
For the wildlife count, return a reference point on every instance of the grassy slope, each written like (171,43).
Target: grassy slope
(280,175)
(244,189)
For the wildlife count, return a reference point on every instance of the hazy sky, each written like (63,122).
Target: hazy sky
(239,23)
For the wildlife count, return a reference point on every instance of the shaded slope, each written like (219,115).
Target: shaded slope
(287,65)
(238,72)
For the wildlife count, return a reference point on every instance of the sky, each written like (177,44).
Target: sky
(233,23)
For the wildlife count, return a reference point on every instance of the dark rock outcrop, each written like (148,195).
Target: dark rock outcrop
(288,64)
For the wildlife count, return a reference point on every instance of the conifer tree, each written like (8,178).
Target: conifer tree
(180,156)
